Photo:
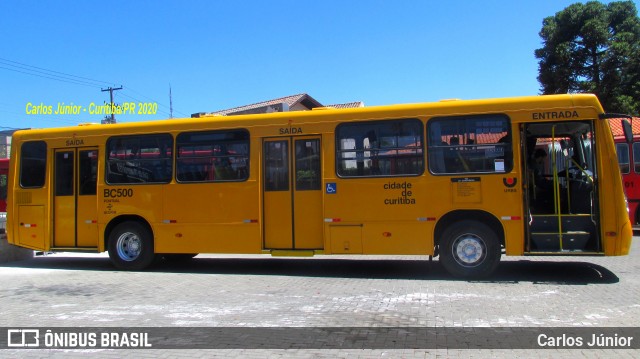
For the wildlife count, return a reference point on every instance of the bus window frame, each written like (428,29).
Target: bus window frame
(509,164)
(628,163)
(636,159)
(22,164)
(420,150)
(4,183)
(116,137)
(247,156)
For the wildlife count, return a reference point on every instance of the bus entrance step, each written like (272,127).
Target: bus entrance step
(292,252)
(570,222)
(551,241)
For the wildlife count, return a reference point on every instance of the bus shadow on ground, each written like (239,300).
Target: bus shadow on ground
(514,271)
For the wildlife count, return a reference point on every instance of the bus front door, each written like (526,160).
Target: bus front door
(562,188)
(74,204)
(292,193)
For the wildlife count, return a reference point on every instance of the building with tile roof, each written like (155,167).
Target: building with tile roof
(299,102)
(616,126)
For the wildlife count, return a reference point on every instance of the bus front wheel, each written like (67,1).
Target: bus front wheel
(131,246)
(470,249)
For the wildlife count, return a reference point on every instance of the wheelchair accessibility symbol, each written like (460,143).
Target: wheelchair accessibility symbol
(332,188)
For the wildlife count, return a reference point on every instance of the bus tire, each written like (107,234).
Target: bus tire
(470,249)
(131,246)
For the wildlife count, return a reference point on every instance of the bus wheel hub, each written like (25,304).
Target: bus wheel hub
(469,250)
(129,246)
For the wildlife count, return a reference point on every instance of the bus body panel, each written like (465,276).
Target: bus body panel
(616,226)
(31,232)
(375,214)
(221,217)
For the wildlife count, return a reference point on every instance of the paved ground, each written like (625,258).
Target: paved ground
(259,291)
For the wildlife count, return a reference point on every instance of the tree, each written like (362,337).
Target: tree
(593,48)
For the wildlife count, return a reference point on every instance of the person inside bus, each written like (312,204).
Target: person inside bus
(542,186)
(505,143)
(539,158)
(455,160)
(450,156)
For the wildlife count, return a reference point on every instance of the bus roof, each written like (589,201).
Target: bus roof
(441,108)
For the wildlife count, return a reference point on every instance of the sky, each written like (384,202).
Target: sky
(221,54)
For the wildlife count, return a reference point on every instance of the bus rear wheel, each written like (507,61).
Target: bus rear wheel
(131,246)
(470,249)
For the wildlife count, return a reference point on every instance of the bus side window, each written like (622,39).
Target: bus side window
(139,159)
(436,158)
(88,172)
(380,148)
(507,152)
(33,164)
(622,150)
(470,144)
(3,187)
(210,156)
(437,148)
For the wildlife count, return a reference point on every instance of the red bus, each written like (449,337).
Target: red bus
(4,174)
(629,161)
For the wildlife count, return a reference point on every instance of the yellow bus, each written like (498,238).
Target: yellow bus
(466,181)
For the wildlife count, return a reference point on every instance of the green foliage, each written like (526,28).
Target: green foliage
(593,48)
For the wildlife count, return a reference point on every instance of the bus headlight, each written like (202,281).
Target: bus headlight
(626,203)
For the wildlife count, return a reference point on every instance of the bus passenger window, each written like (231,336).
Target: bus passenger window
(381,148)
(622,149)
(88,172)
(212,156)
(636,156)
(33,164)
(139,159)
(3,187)
(64,162)
(470,144)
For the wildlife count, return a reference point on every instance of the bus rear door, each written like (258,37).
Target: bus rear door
(74,204)
(292,193)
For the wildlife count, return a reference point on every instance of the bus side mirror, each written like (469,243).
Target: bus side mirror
(628,131)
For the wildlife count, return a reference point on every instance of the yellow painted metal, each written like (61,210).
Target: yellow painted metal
(87,225)
(31,231)
(219,218)
(74,216)
(346,239)
(87,211)
(278,220)
(307,203)
(278,194)
(556,192)
(242,217)
(308,219)
(64,208)
(292,214)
